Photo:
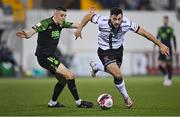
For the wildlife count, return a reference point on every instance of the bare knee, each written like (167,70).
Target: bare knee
(114,70)
(71,76)
(117,75)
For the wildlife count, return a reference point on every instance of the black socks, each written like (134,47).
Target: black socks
(57,90)
(59,87)
(169,69)
(118,81)
(162,69)
(72,88)
(165,72)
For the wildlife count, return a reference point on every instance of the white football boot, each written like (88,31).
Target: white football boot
(167,82)
(128,102)
(94,68)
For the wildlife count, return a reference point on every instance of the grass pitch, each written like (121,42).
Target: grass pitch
(29,96)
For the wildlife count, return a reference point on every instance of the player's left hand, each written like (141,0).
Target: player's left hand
(164,49)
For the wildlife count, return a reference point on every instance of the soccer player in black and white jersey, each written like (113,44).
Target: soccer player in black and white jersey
(110,40)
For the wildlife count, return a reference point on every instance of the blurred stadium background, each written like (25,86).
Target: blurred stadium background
(17,59)
(17,56)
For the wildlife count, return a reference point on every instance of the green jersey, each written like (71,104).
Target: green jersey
(165,34)
(48,36)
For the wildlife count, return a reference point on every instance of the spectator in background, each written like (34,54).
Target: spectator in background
(1,4)
(128,4)
(144,5)
(70,4)
(110,3)
(132,4)
(6,56)
(159,4)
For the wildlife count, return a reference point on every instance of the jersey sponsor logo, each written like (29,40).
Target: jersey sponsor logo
(50,27)
(106,59)
(38,24)
(163,36)
(169,30)
(55,34)
(54,62)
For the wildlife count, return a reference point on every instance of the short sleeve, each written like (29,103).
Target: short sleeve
(67,24)
(127,25)
(95,18)
(41,26)
(134,27)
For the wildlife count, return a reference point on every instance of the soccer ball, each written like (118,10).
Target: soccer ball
(105,101)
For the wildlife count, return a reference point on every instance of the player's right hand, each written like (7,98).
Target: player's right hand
(21,34)
(92,9)
(164,49)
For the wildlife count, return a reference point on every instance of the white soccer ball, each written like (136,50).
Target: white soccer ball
(105,101)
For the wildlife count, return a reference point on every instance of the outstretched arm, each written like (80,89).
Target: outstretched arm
(158,37)
(164,49)
(84,21)
(27,34)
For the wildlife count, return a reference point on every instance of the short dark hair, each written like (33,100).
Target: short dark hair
(60,8)
(166,17)
(116,11)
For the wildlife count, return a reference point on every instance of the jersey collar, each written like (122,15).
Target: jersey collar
(61,25)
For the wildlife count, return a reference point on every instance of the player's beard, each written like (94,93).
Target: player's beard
(61,22)
(116,25)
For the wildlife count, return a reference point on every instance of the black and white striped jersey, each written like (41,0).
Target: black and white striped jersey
(105,30)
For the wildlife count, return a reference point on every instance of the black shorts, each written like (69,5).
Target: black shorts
(50,63)
(165,58)
(111,56)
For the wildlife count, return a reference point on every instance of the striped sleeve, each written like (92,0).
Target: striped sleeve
(95,18)
(134,27)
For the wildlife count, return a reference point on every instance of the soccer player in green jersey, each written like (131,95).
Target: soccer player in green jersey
(49,31)
(166,35)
